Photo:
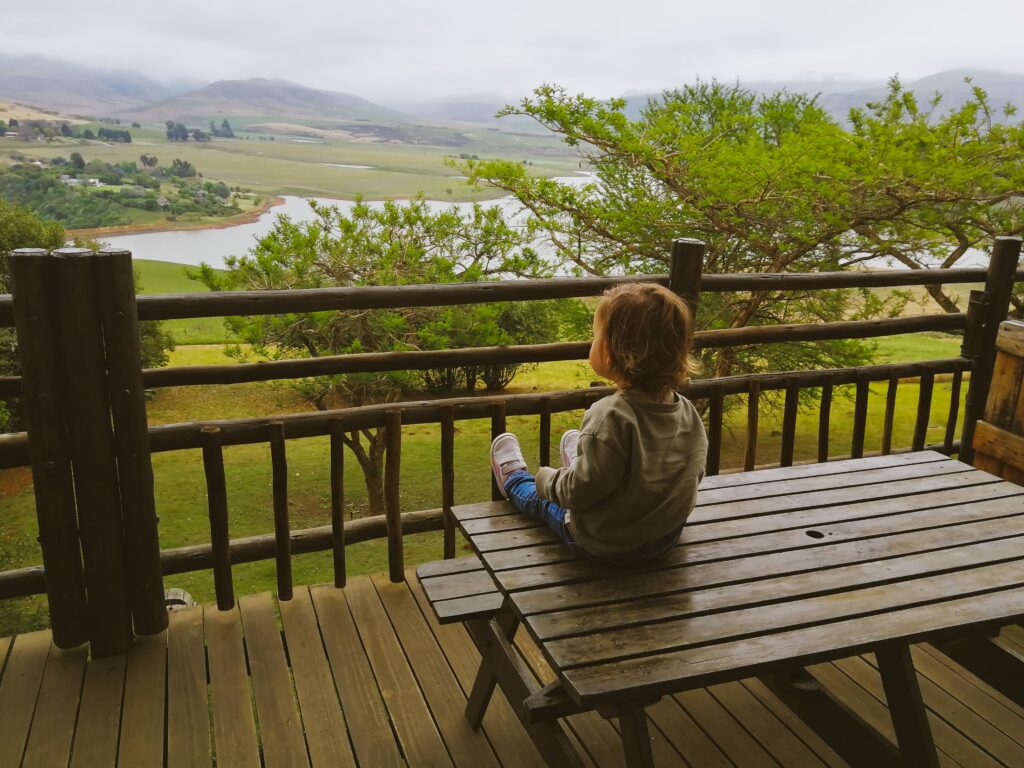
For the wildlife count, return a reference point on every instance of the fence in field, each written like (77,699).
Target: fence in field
(89,444)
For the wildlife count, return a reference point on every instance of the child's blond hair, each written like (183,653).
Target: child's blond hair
(648,335)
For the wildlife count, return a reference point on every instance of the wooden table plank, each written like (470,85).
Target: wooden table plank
(19,691)
(513,747)
(745,658)
(322,718)
(188,708)
(141,742)
(421,743)
(568,589)
(53,725)
(361,700)
(234,727)
(276,711)
(444,697)
(99,716)
(594,621)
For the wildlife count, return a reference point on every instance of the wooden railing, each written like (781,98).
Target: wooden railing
(90,446)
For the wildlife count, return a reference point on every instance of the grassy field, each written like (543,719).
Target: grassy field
(180,485)
(290,166)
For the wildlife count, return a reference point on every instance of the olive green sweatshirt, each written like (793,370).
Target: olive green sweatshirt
(635,477)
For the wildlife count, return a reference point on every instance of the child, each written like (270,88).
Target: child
(629,475)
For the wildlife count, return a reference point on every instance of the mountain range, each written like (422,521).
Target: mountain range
(75,90)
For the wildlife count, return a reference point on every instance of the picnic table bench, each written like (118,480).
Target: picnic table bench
(776,569)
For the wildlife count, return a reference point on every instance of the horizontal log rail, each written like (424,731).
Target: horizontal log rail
(225,303)
(375,362)
(175,437)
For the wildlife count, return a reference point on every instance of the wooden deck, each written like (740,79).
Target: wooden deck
(365,676)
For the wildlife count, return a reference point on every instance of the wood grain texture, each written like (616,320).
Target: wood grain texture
(143,720)
(53,725)
(231,706)
(19,692)
(188,718)
(99,716)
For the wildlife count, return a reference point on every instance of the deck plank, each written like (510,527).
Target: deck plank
(234,728)
(372,738)
(141,742)
(53,725)
(99,716)
(322,718)
(466,746)
(19,691)
(503,729)
(721,726)
(278,715)
(688,737)
(422,744)
(188,709)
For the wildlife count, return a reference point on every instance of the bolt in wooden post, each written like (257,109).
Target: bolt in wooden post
(44,408)
(118,314)
(282,532)
(93,457)
(999,287)
(392,506)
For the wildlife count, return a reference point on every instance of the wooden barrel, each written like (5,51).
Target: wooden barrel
(999,437)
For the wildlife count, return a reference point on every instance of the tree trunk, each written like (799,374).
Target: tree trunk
(371,461)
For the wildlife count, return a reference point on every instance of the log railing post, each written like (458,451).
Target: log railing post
(93,457)
(118,314)
(337,432)
(392,506)
(999,287)
(685,271)
(35,306)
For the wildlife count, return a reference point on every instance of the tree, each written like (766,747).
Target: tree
(148,161)
(225,130)
(88,134)
(20,228)
(369,245)
(77,161)
(182,168)
(772,184)
(176,131)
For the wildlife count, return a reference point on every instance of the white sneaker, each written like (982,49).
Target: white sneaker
(506,458)
(567,446)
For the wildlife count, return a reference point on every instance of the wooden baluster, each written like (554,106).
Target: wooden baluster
(924,409)
(824,419)
(789,422)
(890,413)
(716,406)
(338,500)
(860,416)
(545,432)
(750,455)
(448,477)
(954,409)
(282,531)
(497,427)
(392,506)
(217,498)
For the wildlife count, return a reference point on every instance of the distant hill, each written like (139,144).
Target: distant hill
(58,86)
(839,96)
(261,97)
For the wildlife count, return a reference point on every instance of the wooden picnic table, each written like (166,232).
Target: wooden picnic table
(775,569)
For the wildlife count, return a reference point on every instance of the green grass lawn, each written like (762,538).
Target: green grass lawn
(180,486)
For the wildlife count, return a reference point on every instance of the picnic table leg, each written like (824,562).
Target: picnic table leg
(636,741)
(517,683)
(909,718)
(483,686)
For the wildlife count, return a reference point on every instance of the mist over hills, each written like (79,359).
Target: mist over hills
(75,90)
(261,96)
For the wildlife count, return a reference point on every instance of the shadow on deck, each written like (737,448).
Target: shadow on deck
(365,676)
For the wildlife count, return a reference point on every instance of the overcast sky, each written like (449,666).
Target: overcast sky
(388,49)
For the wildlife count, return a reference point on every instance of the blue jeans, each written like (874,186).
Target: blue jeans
(521,488)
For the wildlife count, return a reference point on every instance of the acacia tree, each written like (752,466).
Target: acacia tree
(393,244)
(772,184)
